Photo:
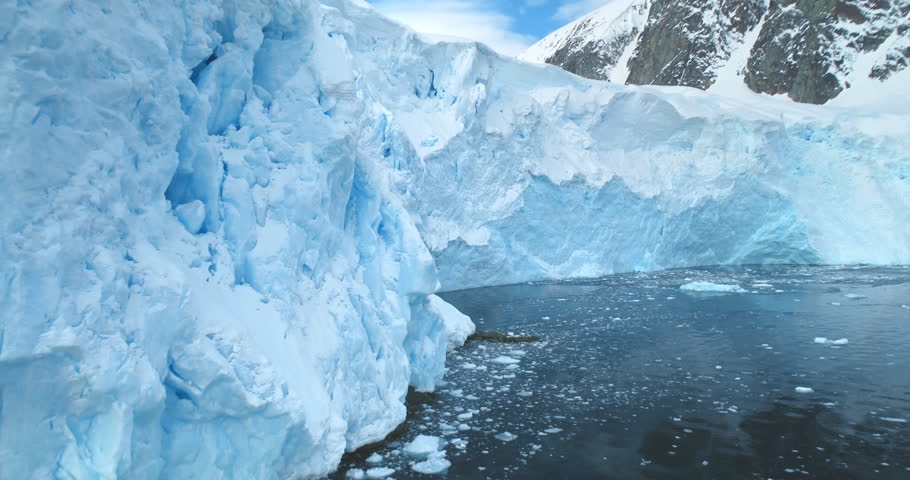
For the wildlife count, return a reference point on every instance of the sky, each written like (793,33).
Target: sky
(509,26)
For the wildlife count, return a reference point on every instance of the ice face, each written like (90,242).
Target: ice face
(214,254)
(592,182)
(207,270)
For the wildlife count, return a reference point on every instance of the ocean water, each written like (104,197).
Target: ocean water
(805,375)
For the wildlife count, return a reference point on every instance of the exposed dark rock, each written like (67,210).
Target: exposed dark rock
(805,49)
(684,41)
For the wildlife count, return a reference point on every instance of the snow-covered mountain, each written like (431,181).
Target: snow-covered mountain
(810,50)
(224,221)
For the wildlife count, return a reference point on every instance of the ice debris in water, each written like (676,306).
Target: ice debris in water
(803,390)
(435,463)
(893,419)
(854,295)
(422,446)
(825,341)
(506,436)
(711,287)
(375,458)
(380,472)
(504,360)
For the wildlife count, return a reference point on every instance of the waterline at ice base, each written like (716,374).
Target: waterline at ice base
(229,227)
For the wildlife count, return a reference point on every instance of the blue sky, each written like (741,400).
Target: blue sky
(509,26)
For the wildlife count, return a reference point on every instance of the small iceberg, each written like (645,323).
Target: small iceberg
(825,341)
(506,436)
(422,446)
(435,463)
(504,360)
(711,287)
(380,472)
(803,390)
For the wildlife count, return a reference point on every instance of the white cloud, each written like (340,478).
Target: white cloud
(574,9)
(462,19)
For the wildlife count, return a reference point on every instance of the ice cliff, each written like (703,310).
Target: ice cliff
(223,219)
(205,268)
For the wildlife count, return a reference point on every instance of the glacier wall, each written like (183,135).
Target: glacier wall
(225,220)
(529,175)
(205,268)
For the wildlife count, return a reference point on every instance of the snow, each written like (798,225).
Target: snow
(224,223)
(711,287)
(600,23)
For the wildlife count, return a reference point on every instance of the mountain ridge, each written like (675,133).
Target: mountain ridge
(809,50)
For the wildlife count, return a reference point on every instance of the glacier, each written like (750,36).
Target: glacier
(225,221)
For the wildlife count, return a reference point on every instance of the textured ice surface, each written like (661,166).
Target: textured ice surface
(214,254)
(435,463)
(422,445)
(206,266)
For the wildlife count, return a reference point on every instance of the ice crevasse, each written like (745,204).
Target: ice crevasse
(224,222)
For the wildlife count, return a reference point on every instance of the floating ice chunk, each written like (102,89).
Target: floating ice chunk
(422,446)
(466,416)
(464,427)
(841,341)
(823,340)
(854,295)
(504,360)
(468,366)
(506,436)
(517,353)
(356,474)
(435,463)
(553,430)
(511,367)
(803,390)
(893,420)
(711,287)
(380,472)
(375,458)
(762,285)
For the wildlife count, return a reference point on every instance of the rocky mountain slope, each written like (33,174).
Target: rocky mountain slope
(810,50)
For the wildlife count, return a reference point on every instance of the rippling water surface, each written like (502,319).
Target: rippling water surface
(634,378)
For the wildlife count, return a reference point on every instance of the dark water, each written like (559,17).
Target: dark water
(634,378)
